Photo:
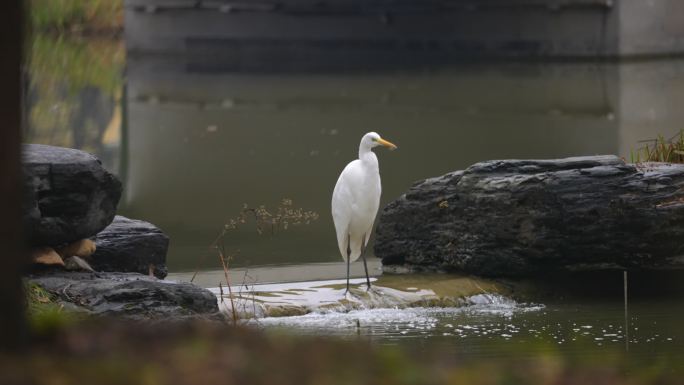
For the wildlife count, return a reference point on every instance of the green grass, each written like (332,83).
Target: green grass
(661,150)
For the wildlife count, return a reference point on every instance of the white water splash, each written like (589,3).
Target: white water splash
(413,319)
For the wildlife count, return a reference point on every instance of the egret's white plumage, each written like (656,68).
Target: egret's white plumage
(356,199)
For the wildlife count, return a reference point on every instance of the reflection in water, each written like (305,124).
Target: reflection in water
(220,140)
(192,147)
(626,292)
(494,329)
(73,95)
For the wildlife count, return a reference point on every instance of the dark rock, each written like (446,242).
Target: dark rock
(127,294)
(70,196)
(129,245)
(525,217)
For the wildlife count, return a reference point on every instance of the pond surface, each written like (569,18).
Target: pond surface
(193,147)
(580,320)
(574,328)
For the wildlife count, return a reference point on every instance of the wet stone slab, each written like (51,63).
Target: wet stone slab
(387,292)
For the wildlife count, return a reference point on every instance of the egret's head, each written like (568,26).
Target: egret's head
(374,140)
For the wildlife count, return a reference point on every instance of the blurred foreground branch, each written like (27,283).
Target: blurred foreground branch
(12,322)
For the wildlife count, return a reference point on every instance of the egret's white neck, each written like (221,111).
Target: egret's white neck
(364,149)
(366,154)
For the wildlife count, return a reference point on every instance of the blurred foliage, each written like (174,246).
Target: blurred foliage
(88,16)
(75,66)
(74,63)
(45,314)
(109,352)
(661,150)
(74,87)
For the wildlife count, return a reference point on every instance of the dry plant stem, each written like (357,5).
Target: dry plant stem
(251,291)
(194,275)
(230,290)
(254,313)
(263,219)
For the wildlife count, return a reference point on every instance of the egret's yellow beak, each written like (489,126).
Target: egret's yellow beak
(387,144)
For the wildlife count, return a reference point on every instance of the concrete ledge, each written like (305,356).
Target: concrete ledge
(306,32)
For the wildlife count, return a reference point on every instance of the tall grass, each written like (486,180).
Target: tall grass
(661,150)
(76,15)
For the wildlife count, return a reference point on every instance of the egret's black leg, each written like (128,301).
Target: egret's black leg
(348,262)
(365,267)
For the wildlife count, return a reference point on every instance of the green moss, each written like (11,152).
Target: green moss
(448,286)
(285,311)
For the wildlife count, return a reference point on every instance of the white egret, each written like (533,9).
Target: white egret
(356,200)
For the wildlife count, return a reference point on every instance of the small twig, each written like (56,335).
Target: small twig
(254,312)
(221,292)
(201,262)
(489,296)
(230,290)
(64,291)
(250,291)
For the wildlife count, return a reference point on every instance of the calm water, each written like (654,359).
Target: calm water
(499,330)
(191,148)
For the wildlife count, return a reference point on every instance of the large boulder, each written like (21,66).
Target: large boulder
(526,217)
(130,245)
(127,294)
(70,196)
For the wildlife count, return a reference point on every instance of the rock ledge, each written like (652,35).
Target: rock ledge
(526,217)
(129,295)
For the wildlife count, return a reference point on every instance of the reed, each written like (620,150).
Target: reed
(661,150)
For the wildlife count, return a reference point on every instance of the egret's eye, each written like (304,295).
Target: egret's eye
(374,139)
